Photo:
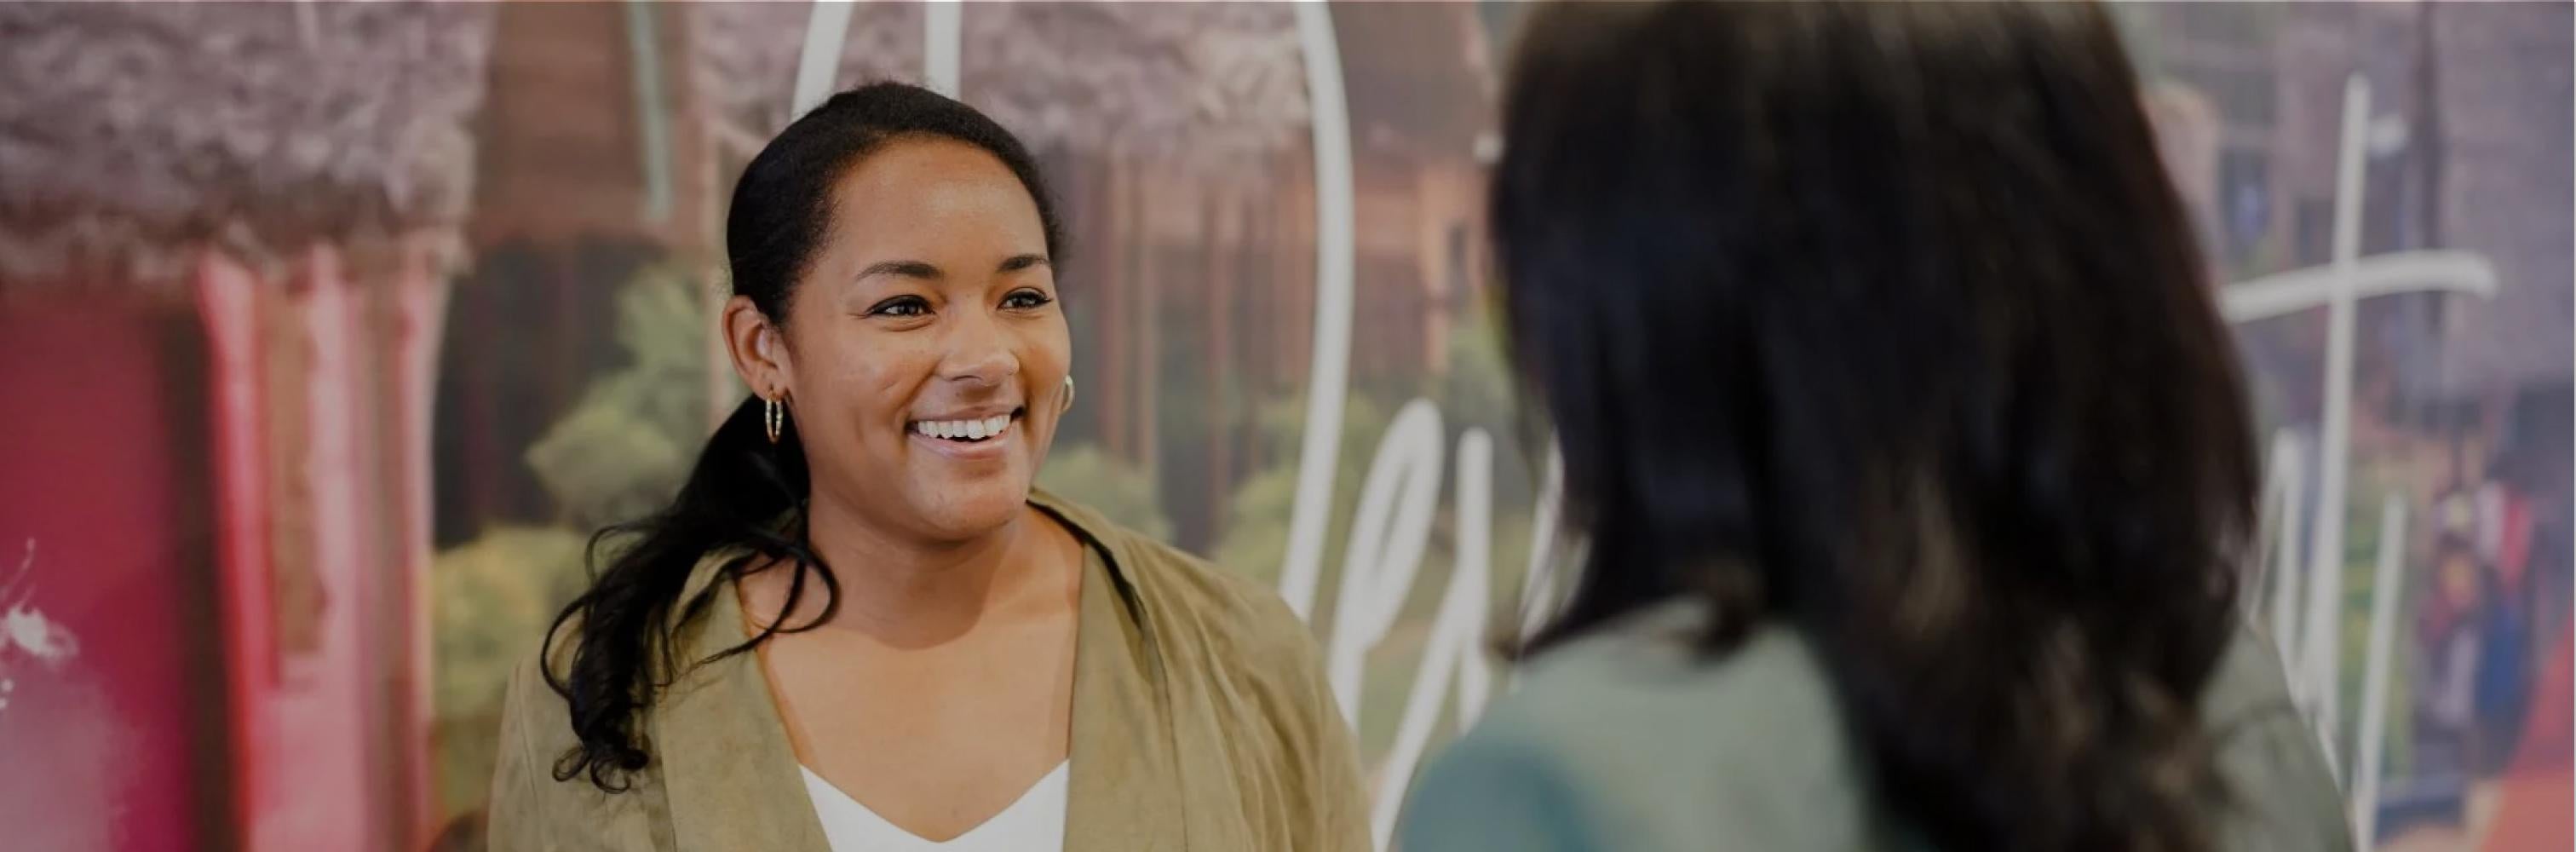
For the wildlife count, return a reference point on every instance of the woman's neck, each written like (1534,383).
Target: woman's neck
(906,592)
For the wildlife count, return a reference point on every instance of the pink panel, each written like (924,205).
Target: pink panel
(95,722)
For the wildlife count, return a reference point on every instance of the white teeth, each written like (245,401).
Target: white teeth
(966,429)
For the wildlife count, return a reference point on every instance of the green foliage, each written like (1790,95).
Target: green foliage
(626,447)
(1261,508)
(1088,475)
(1256,527)
(1477,390)
(620,452)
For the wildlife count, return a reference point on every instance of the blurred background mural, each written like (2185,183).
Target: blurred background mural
(329,331)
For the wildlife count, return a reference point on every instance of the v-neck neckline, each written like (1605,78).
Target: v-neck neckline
(732,779)
(1033,803)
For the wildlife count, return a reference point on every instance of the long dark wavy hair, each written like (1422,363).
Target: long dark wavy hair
(1882,321)
(744,492)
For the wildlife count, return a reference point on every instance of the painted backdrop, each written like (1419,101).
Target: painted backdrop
(327,331)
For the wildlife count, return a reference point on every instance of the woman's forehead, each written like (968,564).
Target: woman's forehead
(922,189)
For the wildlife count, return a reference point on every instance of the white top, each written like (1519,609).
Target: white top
(1035,823)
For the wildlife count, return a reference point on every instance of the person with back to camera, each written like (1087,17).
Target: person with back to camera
(1909,454)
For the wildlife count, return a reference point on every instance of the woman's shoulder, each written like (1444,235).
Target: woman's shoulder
(526,799)
(1642,681)
(2248,687)
(2280,792)
(1221,601)
(1245,683)
(1645,673)
(536,719)
(532,805)
(1627,729)
(1182,591)
(1627,737)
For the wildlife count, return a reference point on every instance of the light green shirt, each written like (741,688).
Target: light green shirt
(1626,740)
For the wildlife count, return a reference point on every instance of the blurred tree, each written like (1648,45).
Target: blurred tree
(1256,528)
(626,447)
(621,452)
(1258,514)
(1477,389)
(1090,476)
(1475,392)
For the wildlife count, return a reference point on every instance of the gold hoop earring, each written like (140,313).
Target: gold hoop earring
(774,415)
(1067,405)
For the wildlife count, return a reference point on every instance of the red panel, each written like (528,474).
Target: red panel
(97,739)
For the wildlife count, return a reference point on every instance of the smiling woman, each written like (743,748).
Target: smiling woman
(982,665)
(931,315)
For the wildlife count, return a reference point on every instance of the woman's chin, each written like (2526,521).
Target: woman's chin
(968,510)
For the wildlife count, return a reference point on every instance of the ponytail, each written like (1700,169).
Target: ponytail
(744,494)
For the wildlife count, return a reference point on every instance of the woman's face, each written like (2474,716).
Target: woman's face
(925,354)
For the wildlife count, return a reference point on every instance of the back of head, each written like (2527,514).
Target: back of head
(1882,321)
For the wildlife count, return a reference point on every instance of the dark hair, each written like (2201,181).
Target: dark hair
(744,491)
(1883,322)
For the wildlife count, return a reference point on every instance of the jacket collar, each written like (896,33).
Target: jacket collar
(732,778)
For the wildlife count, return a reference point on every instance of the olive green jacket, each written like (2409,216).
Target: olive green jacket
(1201,721)
(1624,740)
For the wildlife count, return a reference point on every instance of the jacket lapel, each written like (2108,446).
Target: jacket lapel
(731,776)
(1123,794)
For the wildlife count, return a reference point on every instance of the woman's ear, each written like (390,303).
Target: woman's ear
(758,351)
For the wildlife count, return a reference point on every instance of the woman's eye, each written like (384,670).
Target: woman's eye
(1025,300)
(900,306)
